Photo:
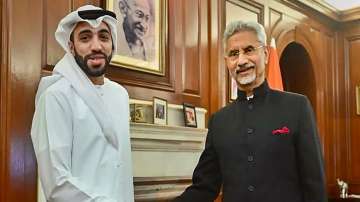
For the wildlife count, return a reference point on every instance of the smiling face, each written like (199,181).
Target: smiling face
(92,48)
(138,17)
(245,59)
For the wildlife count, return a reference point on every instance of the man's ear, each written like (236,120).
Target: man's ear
(71,47)
(123,7)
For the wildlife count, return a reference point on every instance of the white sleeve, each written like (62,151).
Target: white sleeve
(52,136)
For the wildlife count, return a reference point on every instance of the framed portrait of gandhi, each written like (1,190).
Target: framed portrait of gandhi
(141,34)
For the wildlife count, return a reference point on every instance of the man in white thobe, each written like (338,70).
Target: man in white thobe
(80,129)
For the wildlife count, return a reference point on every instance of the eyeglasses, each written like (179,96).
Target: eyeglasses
(248,51)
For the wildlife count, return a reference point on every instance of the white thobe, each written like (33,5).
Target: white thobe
(76,162)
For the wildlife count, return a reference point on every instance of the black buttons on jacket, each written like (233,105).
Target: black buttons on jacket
(251,188)
(250,158)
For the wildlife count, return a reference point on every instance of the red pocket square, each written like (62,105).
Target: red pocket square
(283,130)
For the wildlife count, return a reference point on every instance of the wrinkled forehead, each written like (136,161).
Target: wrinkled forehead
(242,39)
(143,5)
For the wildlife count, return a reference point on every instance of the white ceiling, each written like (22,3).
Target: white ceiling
(343,4)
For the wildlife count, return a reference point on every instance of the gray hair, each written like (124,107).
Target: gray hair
(127,2)
(240,26)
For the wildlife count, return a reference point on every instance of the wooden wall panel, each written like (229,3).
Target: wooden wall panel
(354,156)
(217,67)
(54,52)
(340,127)
(237,10)
(190,73)
(204,54)
(3,47)
(352,61)
(331,112)
(21,55)
(78,3)
(195,73)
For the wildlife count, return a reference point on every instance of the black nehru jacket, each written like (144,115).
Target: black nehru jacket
(265,149)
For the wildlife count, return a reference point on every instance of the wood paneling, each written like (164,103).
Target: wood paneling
(159,189)
(340,127)
(352,61)
(3,45)
(216,66)
(21,58)
(331,112)
(54,52)
(190,27)
(195,73)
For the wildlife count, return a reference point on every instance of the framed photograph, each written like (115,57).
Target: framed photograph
(160,111)
(137,113)
(141,34)
(189,115)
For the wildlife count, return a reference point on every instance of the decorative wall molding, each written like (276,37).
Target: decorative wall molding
(150,137)
(175,113)
(159,188)
(164,158)
(350,15)
(329,11)
(252,7)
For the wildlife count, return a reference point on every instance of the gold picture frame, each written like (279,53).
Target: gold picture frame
(151,57)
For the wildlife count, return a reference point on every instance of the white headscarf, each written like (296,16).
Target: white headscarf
(68,23)
(68,68)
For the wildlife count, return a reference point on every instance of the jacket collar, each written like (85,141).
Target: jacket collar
(259,91)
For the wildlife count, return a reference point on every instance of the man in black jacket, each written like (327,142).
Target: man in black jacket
(263,147)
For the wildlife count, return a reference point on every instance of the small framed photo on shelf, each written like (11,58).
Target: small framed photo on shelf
(189,115)
(137,113)
(160,111)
